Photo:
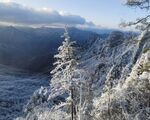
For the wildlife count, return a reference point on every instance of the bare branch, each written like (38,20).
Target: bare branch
(140,23)
(141,20)
(142,4)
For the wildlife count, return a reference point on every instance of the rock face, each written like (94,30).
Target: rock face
(107,60)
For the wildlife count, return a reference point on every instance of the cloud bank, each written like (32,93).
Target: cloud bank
(18,14)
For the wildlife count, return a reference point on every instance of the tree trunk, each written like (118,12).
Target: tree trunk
(72,106)
(80,106)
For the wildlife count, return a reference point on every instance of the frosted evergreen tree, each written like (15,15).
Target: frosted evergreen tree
(62,75)
(67,77)
(65,60)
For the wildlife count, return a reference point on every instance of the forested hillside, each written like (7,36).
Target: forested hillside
(107,83)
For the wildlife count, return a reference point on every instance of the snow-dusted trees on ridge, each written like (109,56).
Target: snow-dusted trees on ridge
(129,101)
(85,92)
(108,86)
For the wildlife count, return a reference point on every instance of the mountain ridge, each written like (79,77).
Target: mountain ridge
(33,48)
(105,62)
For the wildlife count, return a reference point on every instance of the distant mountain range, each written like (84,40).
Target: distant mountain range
(33,48)
(102,30)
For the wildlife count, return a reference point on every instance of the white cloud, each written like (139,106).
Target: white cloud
(18,14)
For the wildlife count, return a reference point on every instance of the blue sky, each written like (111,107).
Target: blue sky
(106,13)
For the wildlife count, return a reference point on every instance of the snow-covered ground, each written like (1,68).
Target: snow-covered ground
(16,87)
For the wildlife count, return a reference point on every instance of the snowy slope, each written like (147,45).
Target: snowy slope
(116,51)
(129,101)
(113,57)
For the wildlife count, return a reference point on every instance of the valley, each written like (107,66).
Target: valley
(16,87)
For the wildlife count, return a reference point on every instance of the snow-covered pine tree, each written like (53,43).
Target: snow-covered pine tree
(62,75)
(67,77)
(65,60)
